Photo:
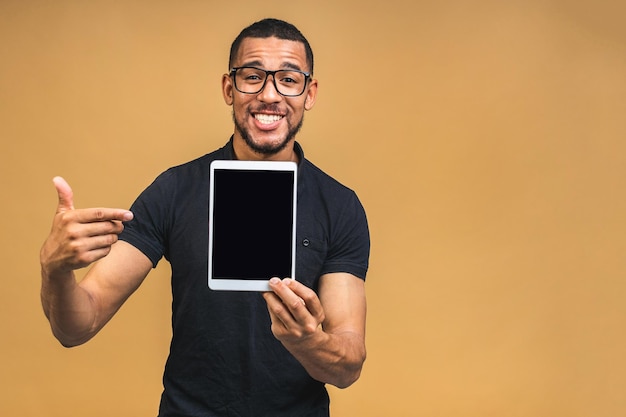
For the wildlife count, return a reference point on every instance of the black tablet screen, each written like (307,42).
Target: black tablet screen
(252,224)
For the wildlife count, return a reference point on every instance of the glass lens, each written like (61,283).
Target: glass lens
(287,82)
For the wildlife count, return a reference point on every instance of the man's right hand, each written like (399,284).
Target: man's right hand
(79,237)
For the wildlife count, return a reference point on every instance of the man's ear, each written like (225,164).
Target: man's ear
(311,95)
(227,89)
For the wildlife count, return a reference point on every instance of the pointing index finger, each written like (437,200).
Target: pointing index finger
(101,214)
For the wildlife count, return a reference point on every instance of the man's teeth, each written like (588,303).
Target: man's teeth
(267,118)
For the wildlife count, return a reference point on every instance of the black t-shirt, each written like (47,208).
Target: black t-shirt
(224,360)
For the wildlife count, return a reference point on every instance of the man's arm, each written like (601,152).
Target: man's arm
(78,310)
(326,333)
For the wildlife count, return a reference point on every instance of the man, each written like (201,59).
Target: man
(232,353)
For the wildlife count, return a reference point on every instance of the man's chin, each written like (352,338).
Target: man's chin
(265,146)
(265,143)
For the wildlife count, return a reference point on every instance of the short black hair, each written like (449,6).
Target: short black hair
(268,28)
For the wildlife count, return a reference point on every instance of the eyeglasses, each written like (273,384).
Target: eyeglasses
(288,83)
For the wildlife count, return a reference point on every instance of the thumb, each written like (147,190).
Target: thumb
(66,196)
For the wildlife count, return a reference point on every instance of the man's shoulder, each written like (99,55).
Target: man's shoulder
(187,175)
(322,180)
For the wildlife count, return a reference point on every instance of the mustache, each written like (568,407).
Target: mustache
(269,108)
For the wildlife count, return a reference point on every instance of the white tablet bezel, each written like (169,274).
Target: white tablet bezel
(248,284)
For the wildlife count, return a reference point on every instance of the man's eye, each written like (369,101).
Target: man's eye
(291,78)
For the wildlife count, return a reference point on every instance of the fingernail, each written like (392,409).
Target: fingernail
(127,216)
(274,281)
(287,281)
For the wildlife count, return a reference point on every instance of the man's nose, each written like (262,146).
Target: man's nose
(269,93)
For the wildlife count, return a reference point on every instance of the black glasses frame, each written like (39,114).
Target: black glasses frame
(307,77)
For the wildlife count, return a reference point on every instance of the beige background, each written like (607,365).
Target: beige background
(486,140)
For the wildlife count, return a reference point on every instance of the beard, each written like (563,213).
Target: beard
(268,149)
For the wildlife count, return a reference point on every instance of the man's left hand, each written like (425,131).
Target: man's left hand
(295,310)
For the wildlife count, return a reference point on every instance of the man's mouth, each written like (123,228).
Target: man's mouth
(267,119)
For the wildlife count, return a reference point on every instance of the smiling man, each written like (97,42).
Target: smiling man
(232,353)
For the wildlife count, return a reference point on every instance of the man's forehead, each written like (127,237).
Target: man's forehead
(272,50)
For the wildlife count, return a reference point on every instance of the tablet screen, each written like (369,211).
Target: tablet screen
(251,224)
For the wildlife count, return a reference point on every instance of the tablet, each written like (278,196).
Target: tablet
(252,223)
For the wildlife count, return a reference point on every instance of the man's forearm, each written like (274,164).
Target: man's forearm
(335,359)
(68,307)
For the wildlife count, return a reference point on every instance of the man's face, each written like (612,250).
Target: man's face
(267,122)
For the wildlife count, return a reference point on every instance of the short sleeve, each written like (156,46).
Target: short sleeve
(350,241)
(148,229)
